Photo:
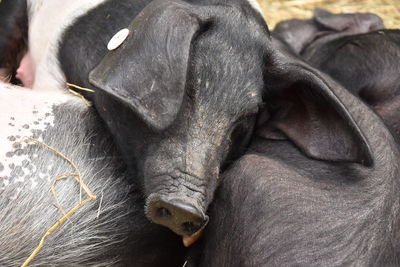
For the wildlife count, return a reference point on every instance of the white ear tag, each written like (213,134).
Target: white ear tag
(117,39)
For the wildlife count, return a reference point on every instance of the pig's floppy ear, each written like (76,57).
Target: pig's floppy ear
(352,22)
(304,108)
(148,71)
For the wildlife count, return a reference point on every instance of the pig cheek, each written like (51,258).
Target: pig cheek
(25,71)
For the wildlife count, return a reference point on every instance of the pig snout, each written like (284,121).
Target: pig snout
(179,215)
(25,72)
(178,189)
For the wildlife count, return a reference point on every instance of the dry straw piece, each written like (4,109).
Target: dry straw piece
(80,88)
(87,103)
(277,10)
(78,94)
(68,214)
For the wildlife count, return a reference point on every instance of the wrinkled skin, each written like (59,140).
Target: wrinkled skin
(278,207)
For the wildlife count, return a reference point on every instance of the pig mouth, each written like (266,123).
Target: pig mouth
(182,215)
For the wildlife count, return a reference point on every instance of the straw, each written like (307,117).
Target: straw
(277,10)
(68,214)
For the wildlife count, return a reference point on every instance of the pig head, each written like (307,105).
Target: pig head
(301,34)
(181,95)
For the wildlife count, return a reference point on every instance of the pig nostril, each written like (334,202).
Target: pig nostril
(189,227)
(181,217)
(163,212)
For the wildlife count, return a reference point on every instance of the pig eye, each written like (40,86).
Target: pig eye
(239,139)
(242,128)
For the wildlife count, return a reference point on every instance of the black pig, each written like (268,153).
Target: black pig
(363,60)
(276,206)
(368,65)
(301,34)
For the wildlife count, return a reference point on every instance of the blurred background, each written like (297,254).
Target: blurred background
(277,10)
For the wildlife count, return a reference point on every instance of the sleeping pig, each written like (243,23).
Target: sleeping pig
(279,206)
(363,60)
(110,230)
(160,88)
(368,65)
(310,34)
(180,90)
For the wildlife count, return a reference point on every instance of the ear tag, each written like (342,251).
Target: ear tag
(117,39)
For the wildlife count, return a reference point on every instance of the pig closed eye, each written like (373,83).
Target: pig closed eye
(239,138)
(242,126)
(245,123)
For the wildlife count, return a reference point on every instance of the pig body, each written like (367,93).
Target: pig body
(278,207)
(304,212)
(47,23)
(108,231)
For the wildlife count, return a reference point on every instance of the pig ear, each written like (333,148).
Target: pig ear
(148,71)
(303,107)
(354,23)
(296,33)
